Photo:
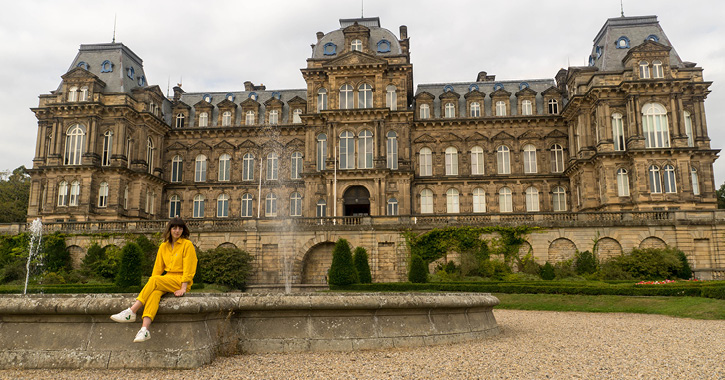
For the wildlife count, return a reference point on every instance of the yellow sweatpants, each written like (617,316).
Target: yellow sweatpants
(156,287)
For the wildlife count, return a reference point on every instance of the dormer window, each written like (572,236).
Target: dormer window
(73,94)
(523,85)
(229,97)
(83,65)
(553,107)
(203,119)
(130,72)
(383,46)
(276,95)
(356,45)
(106,66)
(498,86)
(657,71)
(180,120)
(448,88)
(142,81)
(84,94)
(253,96)
(473,87)
(598,52)
(207,98)
(329,49)
(622,43)
(643,70)
(591,60)
(652,37)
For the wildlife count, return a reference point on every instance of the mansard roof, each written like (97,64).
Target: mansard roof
(511,86)
(378,35)
(113,63)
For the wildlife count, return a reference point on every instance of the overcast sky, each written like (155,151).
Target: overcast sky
(217,45)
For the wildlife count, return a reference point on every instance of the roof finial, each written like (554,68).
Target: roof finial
(621,6)
(114,29)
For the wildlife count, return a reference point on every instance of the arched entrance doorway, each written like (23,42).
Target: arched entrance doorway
(356,201)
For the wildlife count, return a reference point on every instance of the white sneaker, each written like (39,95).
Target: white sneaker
(124,316)
(142,335)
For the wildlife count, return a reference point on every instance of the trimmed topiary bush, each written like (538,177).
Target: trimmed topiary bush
(342,271)
(684,272)
(129,270)
(418,273)
(646,264)
(585,263)
(360,258)
(547,272)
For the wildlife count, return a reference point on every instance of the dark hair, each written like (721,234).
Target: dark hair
(172,223)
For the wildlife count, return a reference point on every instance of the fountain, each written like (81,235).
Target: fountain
(36,236)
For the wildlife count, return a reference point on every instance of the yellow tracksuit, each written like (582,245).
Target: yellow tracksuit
(180,266)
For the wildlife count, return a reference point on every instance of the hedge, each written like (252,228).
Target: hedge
(69,288)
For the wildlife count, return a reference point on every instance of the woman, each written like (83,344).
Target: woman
(174,271)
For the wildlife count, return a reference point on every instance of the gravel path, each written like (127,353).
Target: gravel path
(532,345)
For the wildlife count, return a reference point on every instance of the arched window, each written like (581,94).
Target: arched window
(73,94)
(84,94)
(198,206)
(295,204)
(107,148)
(657,71)
(224,167)
(296,166)
(479,200)
(270,205)
(655,182)
(321,208)
(527,108)
(174,206)
(688,129)
(392,150)
(203,120)
(272,167)
(179,120)
(644,70)
(557,158)
(248,167)
(500,108)
(530,159)
(222,206)
(391,98)
(200,169)
(346,96)
(559,199)
(63,193)
(247,205)
(356,45)
(75,193)
(347,150)
(618,132)
(103,194)
(655,126)
(622,182)
(365,150)
(532,199)
(424,111)
(150,155)
(475,109)
(273,117)
(553,107)
(451,161)
(249,118)
(321,100)
(226,119)
(505,200)
(477,161)
(75,142)
(426,162)
(452,202)
(695,182)
(503,160)
(321,151)
(426,201)
(392,208)
(364,96)
(296,116)
(669,179)
(450,110)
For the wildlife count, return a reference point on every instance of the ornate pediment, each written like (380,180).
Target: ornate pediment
(475,94)
(248,144)
(503,136)
(649,46)
(356,28)
(179,105)
(475,136)
(273,102)
(500,93)
(450,137)
(297,101)
(272,145)
(201,146)
(556,134)
(224,145)
(449,95)
(295,142)
(203,104)
(553,90)
(249,102)
(530,135)
(226,103)
(355,58)
(526,92)
(425,138)
(425,95)
(79,73)
(177,146)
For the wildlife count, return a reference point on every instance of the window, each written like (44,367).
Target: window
(527,108)
(129,147)
(392,150)
(622,43)
(247,205)
(75,193)
(424,111)
(230,97)
(180,120)
(222,206)
(103,194)
(226,119)
(500,108)
(426,162)
(504,161)
(107,146)
(383,46)
(248,167)
(198,206)
(295,204)
(657,71)
(272,167)
(203,119)
(477,161)
(391,98)
(392,208)
(530,159)
(174,206)
(450,110)
(329,49)
(644,70)
(63,194)
(296,116)
(106,66)
(479,200)
(224,167)
(504,200)
(365,150)
(176,168)
(655,183)
(130,72)
(270,205)
(274,117)
(75,142)
(618,132)
(346,97)
(73,94)
(622,182)
(321,208)
(356,45)
(249,118)
(426,201)
(475,109)
(557,158)
(321,151)
(669,179)
(365,96)
(150,155)
(84,94)
(688,129)
(452,201)
(559,199)
(296,166)
(655,127)
(347,150)
(553,107)
(125,198)
(532,199)
(451,161)
(321,99)
(695,182)
(200,169)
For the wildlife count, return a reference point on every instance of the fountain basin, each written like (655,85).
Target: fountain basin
(74,331)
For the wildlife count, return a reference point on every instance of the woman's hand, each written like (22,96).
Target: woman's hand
(181,291)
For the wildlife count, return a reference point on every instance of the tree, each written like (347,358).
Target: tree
(14,195)
(56,254)
(129,271)
(720,193)
(360,258)
(547,271)
(418,273)
(342,270)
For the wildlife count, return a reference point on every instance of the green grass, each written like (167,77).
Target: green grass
(683,307)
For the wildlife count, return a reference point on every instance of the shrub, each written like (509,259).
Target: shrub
(53,278)
(564,269)
(684,271)
(644,264)
(223,266)
(342,271)
(529,266)
(56,254)
(547,272)
(129,271)
(494,269)
(418,273)
(148,252)
(12,271)
(360,258)
(585,262)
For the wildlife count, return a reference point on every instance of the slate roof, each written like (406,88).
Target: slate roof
(376,35)
(121,59)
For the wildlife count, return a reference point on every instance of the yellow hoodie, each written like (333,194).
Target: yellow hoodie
(181,260)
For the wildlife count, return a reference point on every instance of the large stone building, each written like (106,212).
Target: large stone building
(617,151)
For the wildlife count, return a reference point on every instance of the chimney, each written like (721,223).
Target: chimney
(248,86)
(177,93)
(403,32)
(484,77)
(319,36)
